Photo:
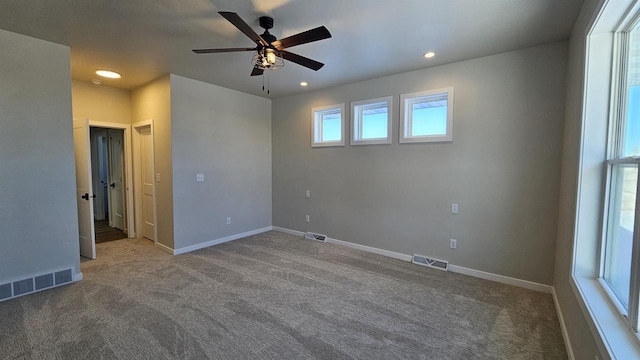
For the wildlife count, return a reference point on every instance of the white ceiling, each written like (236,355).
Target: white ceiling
(145,39)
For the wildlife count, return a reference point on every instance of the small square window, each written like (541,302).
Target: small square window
(371,121)
(427,116)
(327,126)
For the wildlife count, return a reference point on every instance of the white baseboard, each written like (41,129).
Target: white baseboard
(563,326)
(288,231)
(453,268)
(391,254)
(501,279)
(164,248)
(225,239)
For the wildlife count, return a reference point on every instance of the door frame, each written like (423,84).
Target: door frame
(131,229)
(137,181)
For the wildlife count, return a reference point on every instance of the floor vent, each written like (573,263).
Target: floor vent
(33,284)
(316,237)
(434,263)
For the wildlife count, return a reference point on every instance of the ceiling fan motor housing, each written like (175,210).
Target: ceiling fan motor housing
(266,22)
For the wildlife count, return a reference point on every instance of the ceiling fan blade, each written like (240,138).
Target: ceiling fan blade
(301,60)
(243,26)
(308,36)
(210,51)
(256,71)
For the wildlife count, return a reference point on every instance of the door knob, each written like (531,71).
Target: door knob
(85,196)
(113,185)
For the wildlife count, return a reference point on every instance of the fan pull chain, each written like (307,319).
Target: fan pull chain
(268,85)
(262,81)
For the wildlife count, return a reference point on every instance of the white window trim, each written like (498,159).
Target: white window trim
(407,99)
(316,129)
(610,328)
(356,121)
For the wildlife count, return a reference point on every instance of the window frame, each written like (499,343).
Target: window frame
(610,328)
(615,158)
(406,115)
(357,107)
(316,127)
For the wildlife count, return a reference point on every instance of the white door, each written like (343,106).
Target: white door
(148,208)
(116,195)
(84,189)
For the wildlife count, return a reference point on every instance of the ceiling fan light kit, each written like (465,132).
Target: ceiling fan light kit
(270,52)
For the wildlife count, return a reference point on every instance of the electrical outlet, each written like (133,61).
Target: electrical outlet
(199,177)
(308,193)
(454,208)
(306,218)
(229,220)
(453,243)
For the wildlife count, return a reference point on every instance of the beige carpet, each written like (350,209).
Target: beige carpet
(275,296)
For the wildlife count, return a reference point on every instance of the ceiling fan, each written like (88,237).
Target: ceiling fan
(270,51)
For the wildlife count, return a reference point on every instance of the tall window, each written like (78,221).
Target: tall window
(327,126)
(621,230)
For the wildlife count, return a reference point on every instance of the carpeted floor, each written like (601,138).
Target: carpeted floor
(275,296)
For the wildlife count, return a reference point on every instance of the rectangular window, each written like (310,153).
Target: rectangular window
(327,126)
(371,121)
(620,215)
(427,116)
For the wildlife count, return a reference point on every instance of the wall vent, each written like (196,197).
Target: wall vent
(316,237)
(36,283)
(430,262)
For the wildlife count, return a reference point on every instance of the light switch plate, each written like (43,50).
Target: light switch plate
(454,208)
(157,177)
(199,177)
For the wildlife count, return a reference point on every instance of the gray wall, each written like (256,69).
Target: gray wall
(226,135)
(502,167)
(582,341)
(153,101)
(38,214)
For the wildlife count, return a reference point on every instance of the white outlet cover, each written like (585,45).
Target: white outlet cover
(454,208)
(306,218)
(199,177)
(453,243)
(308,193)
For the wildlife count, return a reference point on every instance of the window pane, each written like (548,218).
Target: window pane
(374,123)
(622,207)
(429,118)
(331,127)
(632,127)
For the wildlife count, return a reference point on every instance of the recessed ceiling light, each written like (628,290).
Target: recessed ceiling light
(430,54)
(304,83)
(108,74)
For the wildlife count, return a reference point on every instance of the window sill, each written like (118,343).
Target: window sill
(605,320)
(370,142)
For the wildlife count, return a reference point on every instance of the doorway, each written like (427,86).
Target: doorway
(120,212)
(107,173)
